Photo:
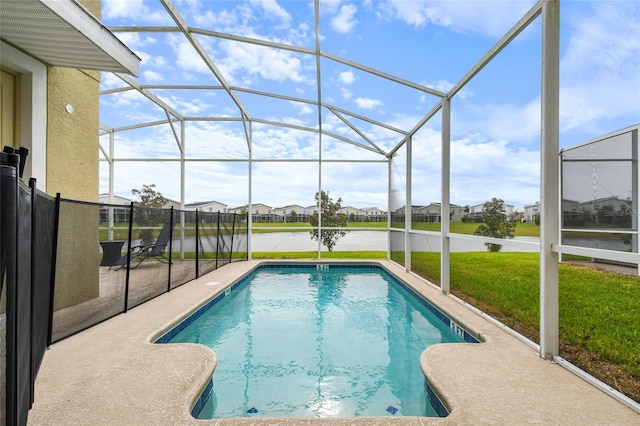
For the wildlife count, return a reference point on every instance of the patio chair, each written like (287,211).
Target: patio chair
(147,251)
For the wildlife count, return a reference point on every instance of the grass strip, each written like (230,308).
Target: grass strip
(598,310)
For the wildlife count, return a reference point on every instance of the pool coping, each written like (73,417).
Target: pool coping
(113,374)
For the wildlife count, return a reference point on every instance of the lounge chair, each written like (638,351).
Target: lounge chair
(147,251)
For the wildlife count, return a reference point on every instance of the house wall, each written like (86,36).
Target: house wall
(72,170)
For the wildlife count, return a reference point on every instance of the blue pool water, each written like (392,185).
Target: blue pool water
(308,341)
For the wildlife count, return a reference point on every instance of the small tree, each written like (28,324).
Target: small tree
(148,197)
(495,223)
(330,218)
(293,216)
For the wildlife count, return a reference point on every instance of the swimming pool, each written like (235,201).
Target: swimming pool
(317,341)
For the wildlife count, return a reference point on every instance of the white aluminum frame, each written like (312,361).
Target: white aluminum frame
(549,245)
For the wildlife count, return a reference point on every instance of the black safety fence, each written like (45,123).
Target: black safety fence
(27,246)
(124,264)
(67,265)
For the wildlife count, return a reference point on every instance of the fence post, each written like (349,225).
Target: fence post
(53,269)
(33,341)
(233,233)
(170,249)
(197,244)
(218,240)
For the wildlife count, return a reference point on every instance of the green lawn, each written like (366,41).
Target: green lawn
(598,310)
(523,229)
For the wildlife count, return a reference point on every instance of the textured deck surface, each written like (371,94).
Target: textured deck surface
(112,374)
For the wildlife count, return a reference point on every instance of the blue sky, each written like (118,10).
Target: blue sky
(495,118)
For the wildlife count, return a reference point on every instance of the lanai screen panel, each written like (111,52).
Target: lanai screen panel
(600,194)
(283,143)
(366,187)
(283,183)
(426,176)
(215,140)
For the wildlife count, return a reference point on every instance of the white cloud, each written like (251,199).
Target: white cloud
(511,122)
(347,77)
(482,169)
(187,107)
(127,98)
(273,9)
(123,9)
(346,93)
(303,108)
(109,81)
(345,21)
(136,40)
(243,62)
(328,6)
(444,86)
(492,18)
(368,103)
(186,56)
(152,76)
(134,9)
(600,68)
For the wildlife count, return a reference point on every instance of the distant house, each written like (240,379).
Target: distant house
(171,203)
(118,199)
(475,212)
(207,206)
(571,211)
(532,212)
(115,199)
(371,212)
(286,210)
(257,208)
(309,210)
(291,213)
(402,209)
(433,212)
(348,210)
(259,212)
(120,214)
(603,208)
(363,214)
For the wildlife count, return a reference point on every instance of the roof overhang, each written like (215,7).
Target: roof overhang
(63,33)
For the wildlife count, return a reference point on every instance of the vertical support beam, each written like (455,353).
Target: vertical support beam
(635,194)
(445,225)
(408,210)
(249,173)
(197,216)
(389,199)
(182,187)
(319,255)
(549,182)
(110,219)
(316,16)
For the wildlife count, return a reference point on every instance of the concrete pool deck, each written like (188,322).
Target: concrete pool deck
(111,374)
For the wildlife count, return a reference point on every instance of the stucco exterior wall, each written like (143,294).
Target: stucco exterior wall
(73,170)
(72,137)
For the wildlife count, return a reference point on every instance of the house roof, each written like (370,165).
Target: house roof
(201,203)
(63,33)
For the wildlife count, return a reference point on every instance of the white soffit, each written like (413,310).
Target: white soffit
(63,33)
